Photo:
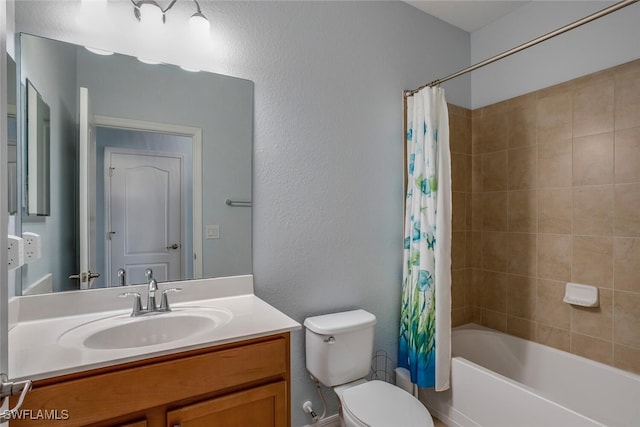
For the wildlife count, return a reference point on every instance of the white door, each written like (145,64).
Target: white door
(144,224)
(87,196)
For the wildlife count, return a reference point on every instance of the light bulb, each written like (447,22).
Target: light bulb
(99,51)
(151,13)
(149,61)
(198,22)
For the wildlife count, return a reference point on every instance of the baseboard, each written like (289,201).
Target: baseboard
(332,421)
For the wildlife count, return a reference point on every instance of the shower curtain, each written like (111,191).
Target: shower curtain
(425,324)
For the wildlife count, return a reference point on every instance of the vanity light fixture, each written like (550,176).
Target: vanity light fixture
(151,11)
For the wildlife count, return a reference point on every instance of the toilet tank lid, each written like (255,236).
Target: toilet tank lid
(336,323)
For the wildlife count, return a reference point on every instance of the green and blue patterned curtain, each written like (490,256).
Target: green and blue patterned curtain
(425,324)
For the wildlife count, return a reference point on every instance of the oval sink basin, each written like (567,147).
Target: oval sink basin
(125,332)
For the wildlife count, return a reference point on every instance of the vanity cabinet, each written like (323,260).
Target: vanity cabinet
(229,385)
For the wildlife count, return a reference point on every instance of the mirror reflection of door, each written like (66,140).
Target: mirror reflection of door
(87,189)
(144,222)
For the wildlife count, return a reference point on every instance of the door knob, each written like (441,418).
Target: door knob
(174,246)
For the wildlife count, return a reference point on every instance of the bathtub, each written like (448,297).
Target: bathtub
(498,380)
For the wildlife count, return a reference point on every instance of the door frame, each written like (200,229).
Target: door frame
(108,152)
(196,146)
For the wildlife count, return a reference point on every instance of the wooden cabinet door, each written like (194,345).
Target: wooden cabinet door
(264,406)
(136,424)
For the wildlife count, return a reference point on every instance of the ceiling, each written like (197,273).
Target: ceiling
(470,15)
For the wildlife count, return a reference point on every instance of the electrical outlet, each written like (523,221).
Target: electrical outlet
(15,252)
(32,246)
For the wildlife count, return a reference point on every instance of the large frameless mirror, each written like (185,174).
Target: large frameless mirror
(149,168)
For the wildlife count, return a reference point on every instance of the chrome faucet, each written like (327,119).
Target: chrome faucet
(152,307)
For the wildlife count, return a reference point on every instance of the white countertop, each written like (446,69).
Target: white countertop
(36,353)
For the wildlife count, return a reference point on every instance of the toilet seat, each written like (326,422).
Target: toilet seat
(380,404)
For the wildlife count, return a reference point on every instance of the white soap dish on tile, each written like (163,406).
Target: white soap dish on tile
(583,295)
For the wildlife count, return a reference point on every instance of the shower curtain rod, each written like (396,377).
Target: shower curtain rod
(527,45)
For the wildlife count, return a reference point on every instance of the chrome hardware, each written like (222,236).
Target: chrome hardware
(84,277)
(164,301)
(330,340)
(238,203)
(137,303)
(122,280)
(148,273)
(174,246)
(152,307)
(7,389)
(151,297)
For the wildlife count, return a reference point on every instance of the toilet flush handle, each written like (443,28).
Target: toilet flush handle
(330,340)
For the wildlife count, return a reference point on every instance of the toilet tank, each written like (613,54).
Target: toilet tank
(339,346)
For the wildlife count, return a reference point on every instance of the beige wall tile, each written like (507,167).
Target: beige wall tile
(626,358)
(522,328)
(458,211)
(468,211)
(627,210)
(493,131)
(476,211)
(459,133)
(458,289)
(521,297)
(494,251)
(592,348)
(550,309)
(593,109)
(555,211)
(468,173)
(476,173)
(494,320)
(458,172)
(627,100)
(555,164)
(476,128)
(593,159)
(555,118)
(476,287)
(593,261)
(553,337)
(458,250)
(626,264)
(593,210)
(494,291)
(459,317)
(595,321)
(554,256)
(627,155)
(522,121)
(494,211)
(522,168)
(522,256)
(476,313)
(522,211)
(494,171)
(475,260)
(626,318)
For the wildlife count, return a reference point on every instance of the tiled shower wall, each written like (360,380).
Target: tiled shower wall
(546,190)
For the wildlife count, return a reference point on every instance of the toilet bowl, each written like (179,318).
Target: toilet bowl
(380,404)
(339,347)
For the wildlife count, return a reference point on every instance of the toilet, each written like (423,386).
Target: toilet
(339,348)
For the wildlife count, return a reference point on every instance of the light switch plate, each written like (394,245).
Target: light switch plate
(212,231)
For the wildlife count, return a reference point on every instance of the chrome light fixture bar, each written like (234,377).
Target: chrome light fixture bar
(150,10)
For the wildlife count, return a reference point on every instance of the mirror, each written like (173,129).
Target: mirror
(12,140)
(37,153)
(143,160)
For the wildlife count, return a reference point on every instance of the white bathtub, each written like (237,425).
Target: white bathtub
(501,380)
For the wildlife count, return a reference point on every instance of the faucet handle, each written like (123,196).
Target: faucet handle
(164,302)
(137,303)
